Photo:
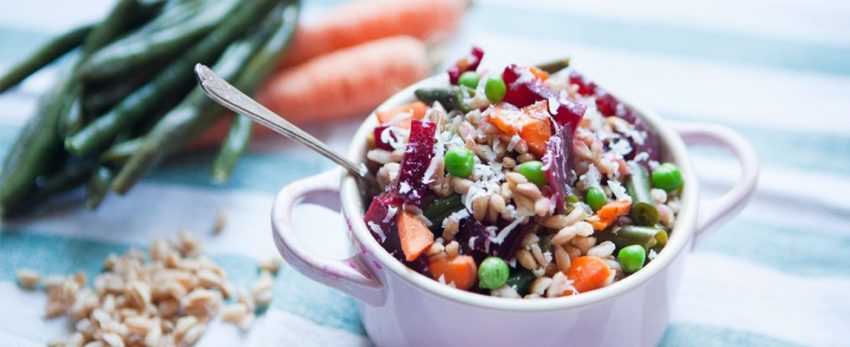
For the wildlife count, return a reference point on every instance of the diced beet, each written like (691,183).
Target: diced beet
(523,89)
(569,113)
(649,145)
(468,63)
(585,87)
(379,141)
(376,215)
(417,158)
(558,165)
(476,240)
(607,104)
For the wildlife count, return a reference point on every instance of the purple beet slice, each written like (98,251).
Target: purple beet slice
(380,219)
(558,165)
(476,240)
(379,140)
(417,158)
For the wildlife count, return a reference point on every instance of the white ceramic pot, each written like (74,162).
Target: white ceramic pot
(400,307)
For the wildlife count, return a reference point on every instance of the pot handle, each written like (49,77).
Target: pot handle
(347,275)
(718,210)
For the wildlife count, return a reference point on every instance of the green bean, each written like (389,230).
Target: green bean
(102,98)
(520,279)
(643,210)
(115,23)
(197,112)
(98,187)
(72,119)
(36,148)
(438,210)
(175,80)
(637,235)
(43,56)
(555,65)
(69,177)
(131,53)
(451,98)
(118,154)
(233,147)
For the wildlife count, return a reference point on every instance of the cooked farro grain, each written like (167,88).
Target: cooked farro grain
(28,279)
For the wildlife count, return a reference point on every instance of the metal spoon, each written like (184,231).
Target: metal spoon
(228,96)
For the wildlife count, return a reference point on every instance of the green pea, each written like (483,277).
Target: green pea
(469,79)
(495,89)
(459,161)
(596,198)
(572,199)
(668,177)
(632,258)
(493,273)
(533,171)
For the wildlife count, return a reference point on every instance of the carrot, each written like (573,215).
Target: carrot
(460,270)
(348,82)
(609,213)
(415,110)
(357,22)
(540,74)
(587,273)
(531,124)
(414,235)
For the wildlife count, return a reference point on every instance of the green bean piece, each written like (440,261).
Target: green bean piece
(233,147)
(174,80)
(118,154)
(555,65)
(643,210)
(132,53)
(451,98)
(438,210)
(43,56)
(98,187)
(637,235)
(196,112)
(520,279)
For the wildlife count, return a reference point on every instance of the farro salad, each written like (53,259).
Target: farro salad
(526,182)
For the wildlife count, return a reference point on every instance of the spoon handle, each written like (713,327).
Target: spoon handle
(228,96)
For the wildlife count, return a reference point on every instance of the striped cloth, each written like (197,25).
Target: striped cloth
(776,70)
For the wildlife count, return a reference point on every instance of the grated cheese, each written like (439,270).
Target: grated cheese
(377,230)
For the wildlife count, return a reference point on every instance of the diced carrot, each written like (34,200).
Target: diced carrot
(416,110)
(587,273)
(460,270)
(609,213)
(531,124)
(540,74)
(414,235)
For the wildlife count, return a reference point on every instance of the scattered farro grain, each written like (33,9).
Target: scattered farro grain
(562,258)
(261,290)
(165,301)
(452,249)
(526,259)
(220,222)
(28,279)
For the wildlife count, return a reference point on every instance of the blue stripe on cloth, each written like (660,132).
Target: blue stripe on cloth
(294,293)
(661,38)
(786,249)
(687,334)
